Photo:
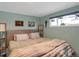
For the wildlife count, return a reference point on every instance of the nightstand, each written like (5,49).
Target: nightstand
(40,30)
(2,52)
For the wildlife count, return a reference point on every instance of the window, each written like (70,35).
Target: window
(53,22)
(67,20)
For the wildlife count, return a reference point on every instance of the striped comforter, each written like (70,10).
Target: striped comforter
(51,48)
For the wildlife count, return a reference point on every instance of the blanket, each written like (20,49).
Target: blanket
(52,48)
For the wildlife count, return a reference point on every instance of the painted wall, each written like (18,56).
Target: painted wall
(70,34)
(9,19)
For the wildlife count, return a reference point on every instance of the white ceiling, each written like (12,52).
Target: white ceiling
(35,8)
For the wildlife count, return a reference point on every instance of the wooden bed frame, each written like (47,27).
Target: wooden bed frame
(10,33)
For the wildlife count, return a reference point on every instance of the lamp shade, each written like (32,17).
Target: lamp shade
(2,27)
(40,27)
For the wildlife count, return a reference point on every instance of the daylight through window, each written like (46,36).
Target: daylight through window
(67,20)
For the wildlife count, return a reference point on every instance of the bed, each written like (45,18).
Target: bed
(20,44)
(35,46)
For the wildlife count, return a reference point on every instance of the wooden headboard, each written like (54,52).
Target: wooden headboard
(10,33)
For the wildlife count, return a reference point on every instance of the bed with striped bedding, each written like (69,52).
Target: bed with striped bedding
(49,48)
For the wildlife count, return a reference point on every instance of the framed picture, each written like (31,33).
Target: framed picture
(31,24)
(19,23)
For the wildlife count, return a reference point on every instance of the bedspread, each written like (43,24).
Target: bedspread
(51,48)
(20,44)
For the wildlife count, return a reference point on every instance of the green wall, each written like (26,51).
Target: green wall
(70,34)
(9,19)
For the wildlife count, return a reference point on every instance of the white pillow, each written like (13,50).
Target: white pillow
(34,35)
(19,37)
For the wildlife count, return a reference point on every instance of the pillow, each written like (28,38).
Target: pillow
(19,37)
(34,35)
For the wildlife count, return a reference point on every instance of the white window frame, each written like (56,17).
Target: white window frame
(75,21)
